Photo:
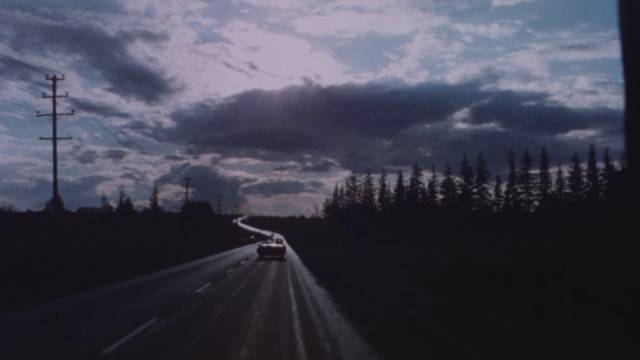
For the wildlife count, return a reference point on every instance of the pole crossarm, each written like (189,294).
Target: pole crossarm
(45,96)
(57,138)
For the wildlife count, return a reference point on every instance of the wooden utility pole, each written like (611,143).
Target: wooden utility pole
(187,184)
(54,129)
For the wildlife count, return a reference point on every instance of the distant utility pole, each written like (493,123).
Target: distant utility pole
(219,204)
(187,185)
(54,128)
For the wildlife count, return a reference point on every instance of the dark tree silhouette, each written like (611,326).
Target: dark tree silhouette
(105,205)
(525,191)
(544,179)
(498,196)
(415,188)
(592,186)
(328,209)
(448,189)
(197,210)
(368,194)
(526,196)
(431,198)
(125,206)
(481,184)
(384,195)
(510,195)
(352,194)
(560,183)
(154,200)
(576,179)
(341,204)
(466,183)
(399,193)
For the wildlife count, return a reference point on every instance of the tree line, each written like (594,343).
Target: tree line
(526,188)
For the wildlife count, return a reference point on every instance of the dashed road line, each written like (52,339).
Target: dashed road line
(203,287)
(113,347)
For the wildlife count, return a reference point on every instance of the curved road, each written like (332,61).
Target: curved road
(226,306)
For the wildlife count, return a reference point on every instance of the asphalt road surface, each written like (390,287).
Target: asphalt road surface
(227,306)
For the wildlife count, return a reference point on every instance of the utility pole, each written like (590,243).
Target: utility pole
(187,184)
(56,200)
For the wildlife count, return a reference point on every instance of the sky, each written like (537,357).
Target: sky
(269,103)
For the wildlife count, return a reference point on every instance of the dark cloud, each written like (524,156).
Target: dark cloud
(252,66)
(309,165)
(90,156)
(106,54)
(302,119)
(315,184)
(116,154)
(236,69)
(530,113)
(379,125)
(47,6)
(275,187)
(96,108)
(318,166)
(87,157)
(18,70)
(207,183)
(285,168)
(174,158)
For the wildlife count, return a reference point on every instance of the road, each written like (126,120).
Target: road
(227,306)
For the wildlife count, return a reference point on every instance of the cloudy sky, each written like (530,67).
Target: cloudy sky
(270,102)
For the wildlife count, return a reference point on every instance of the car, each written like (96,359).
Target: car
(272,248)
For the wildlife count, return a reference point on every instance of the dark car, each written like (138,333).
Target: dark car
(272,248)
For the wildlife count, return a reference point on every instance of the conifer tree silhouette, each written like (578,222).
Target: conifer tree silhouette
(576,179)
(592,186)
(466,183)
(399,193)
(431,198)
(448,189)
(481,184)
(510,196)
(384,196)
(544,179)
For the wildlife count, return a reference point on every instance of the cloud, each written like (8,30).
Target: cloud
(19,70)
(83,105)
(107,54)
(495,30)
(116,154)
(207,183)
(352,23)
(498,3)
(360,126)
(275,187)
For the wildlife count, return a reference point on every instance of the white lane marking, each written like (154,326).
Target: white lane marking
(201,288)
(120,342)
(297,328)
(258,311)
